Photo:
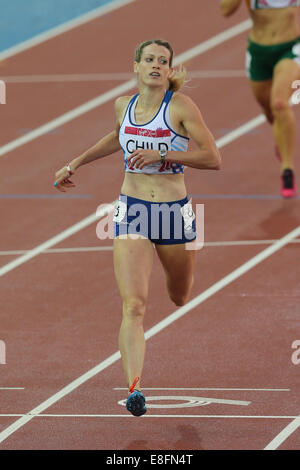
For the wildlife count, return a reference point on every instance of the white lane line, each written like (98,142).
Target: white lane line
(246,242)
(87,249)
(67,117)
(56,239)
(217,74)
(109,76)
(60,250)
(153,331)
(244,129)
(213,42)
(200,388)
(284,434)
(12,388)
(69,77)
(145,416)
(119,90)
(64,27)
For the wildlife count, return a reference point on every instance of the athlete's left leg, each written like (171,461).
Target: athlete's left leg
(178,264)
(284,127)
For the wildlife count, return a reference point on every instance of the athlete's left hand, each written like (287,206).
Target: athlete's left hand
(140,158)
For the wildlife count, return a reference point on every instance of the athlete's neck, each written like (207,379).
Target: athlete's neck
(150,98)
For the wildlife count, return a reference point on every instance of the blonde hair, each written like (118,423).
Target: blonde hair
(178,78)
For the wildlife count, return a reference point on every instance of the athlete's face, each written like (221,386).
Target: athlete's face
(154,68)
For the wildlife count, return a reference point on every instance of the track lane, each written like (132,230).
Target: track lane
(239,361)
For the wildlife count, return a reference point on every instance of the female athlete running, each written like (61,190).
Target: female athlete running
(153,129)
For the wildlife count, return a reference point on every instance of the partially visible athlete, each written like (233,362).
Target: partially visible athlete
(153,130)
(273,64)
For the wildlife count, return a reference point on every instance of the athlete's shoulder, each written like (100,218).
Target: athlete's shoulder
(180,98)
(183,103)
(121,104)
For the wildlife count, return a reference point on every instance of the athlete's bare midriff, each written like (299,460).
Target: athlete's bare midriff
(155,188)
(274,26)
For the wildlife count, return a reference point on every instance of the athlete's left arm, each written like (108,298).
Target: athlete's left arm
(207,156)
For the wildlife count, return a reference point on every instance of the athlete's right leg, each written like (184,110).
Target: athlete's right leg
(133,261)
(262,92)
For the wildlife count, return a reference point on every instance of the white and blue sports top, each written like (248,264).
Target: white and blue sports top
(156,134)
(271,4)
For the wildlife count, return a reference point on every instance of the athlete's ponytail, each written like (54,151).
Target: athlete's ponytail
(178,78)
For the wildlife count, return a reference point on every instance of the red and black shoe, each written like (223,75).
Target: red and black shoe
(288,185)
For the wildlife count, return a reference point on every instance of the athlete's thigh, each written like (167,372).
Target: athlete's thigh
(262,91)
(178,263)
(285,73)
(133,261)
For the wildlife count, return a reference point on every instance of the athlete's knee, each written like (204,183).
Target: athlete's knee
(180,297)
(179,300)
(279,104)
(134,307)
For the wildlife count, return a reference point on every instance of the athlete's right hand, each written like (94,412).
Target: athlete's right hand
(62,179)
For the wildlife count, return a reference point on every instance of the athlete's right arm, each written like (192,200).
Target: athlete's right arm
(228,7)
(106,146)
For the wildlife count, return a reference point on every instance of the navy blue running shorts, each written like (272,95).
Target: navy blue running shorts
(164,223)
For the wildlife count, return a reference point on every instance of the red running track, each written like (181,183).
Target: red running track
(61,311)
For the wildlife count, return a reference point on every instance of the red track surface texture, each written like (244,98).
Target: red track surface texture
(61,311)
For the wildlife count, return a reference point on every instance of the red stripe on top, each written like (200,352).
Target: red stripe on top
(148,132)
